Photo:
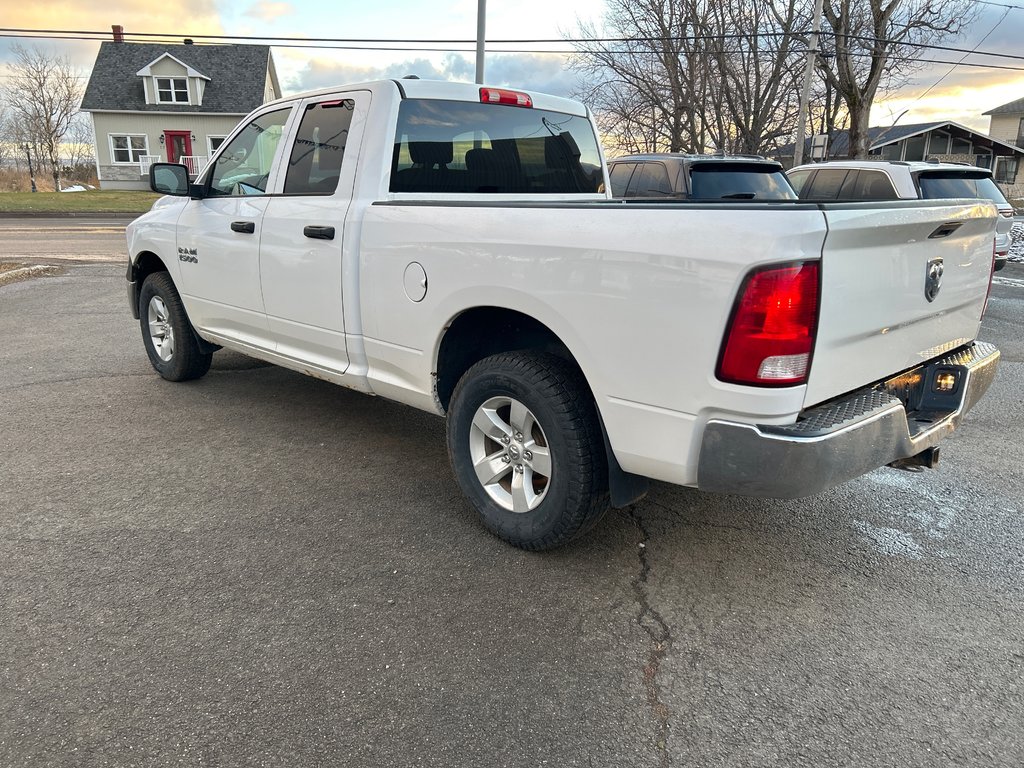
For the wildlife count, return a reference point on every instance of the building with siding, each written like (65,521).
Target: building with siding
(170,103)
(1006,123)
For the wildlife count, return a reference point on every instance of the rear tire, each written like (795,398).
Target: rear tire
(167,333)
(526,446)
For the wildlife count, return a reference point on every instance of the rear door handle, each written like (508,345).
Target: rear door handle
(245,227)
(319,233)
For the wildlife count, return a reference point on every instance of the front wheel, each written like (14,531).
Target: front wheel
(525,443)
(167,333)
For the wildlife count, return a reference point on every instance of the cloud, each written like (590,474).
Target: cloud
(545,73)
(268,10)
(177,20)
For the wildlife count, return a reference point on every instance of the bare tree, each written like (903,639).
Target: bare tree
(875,39)
(693,75)
(43,95)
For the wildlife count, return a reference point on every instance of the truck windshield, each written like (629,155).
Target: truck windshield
(455,146)
(739,181)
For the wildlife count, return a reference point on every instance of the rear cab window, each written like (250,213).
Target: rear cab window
(739,181)
(465,147)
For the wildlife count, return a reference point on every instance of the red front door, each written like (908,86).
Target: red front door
(179,145)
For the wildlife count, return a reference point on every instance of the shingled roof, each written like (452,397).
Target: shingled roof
(237,77)
(1007,109)
(839,143)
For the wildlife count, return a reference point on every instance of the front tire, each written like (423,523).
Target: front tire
(167,333)
(526,446)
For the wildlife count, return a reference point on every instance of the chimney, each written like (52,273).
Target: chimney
(188,41)
(118,33)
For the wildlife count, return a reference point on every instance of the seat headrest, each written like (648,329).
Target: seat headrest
(430,153)
(478,159)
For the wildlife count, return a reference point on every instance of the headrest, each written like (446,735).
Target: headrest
(430,153)
(478,159)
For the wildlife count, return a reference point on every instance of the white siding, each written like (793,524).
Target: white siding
(152,126)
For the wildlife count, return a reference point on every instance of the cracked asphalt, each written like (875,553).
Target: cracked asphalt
(263,569)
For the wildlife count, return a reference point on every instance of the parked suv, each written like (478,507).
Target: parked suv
(898,180)
(699,177)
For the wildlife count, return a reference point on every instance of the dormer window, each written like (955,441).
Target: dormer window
(172,90)
(169,80)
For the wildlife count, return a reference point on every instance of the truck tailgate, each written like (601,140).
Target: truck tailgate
(880,313)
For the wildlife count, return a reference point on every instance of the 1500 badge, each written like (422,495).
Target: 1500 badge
(188,254)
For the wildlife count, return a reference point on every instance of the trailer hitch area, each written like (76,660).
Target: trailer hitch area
(926,459)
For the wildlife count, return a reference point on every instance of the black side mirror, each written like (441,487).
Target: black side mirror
(169,179)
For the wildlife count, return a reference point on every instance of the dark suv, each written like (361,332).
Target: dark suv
(699,177)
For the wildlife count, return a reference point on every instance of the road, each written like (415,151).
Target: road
(67,239)
(260,568)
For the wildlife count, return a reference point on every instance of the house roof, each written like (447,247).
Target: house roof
(1006,109)
(878,137)
(236,86)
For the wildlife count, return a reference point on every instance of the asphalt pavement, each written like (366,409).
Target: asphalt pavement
(263,569)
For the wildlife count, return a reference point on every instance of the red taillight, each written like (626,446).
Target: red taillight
(504,96)
(770,337)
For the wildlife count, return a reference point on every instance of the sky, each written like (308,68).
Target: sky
(963,96)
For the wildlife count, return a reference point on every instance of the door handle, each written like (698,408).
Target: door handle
(245,227)
(319,233)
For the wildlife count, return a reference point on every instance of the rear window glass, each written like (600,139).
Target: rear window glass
(456,146)
(731,181)
(939,186)
(988,189)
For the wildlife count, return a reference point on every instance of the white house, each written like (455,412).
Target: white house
(170,103)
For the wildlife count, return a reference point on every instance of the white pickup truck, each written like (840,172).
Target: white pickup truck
(453,247)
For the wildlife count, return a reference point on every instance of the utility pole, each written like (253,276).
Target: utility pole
(31,173)
(481,24)
(805,93)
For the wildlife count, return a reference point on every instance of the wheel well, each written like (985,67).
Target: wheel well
(484,331)
(146,264)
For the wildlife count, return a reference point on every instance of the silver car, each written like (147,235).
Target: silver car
(851,180)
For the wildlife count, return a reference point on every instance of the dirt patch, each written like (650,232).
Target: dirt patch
(13,272)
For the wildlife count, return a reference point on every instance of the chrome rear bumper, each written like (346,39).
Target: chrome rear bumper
(845,438)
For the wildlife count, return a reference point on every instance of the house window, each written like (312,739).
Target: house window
(961,147)
(939,144)
(172,90)
(1006,170)
(128,148)
(213,143)
(914,148)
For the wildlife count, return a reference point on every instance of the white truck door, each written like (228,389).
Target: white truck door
(218,236)
(303,243)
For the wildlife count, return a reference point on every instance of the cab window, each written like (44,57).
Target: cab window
(314,165)
(454,146)
(243,166)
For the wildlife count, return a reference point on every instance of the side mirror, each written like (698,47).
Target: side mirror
(169,179)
